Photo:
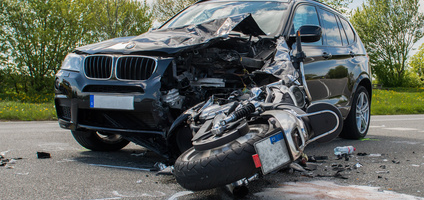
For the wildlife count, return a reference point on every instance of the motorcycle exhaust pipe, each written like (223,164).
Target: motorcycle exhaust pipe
(238,191)
(239,188)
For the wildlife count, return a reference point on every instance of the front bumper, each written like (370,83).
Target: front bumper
(75,111)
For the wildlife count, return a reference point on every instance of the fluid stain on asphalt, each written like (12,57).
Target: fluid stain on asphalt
(327,190)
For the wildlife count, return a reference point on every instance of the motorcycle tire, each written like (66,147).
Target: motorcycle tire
(201,170)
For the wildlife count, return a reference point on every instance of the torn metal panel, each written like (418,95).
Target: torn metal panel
(173,40)
(281,66)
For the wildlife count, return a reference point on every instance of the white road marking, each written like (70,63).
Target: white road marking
(396,119)
(401,129)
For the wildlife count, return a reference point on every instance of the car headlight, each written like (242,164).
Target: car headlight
(72,62)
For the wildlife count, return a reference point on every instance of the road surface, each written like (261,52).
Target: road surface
(391,168)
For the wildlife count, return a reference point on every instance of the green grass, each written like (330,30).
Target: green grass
(27,107)
(398,101)
(393,101)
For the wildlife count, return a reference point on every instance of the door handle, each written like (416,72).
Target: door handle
(351,53)
(326,55)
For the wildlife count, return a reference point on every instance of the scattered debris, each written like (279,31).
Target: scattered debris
(358,165)
(7,162)
(382,172)
(297,167)
(344,150)
(43,155)
(361,154)
(139,154)
(395,162)
(413,165)
(374,155)
(383,166)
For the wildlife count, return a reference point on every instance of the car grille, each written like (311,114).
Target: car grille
(98,67)
(127,67)
(113,89)
(134,68)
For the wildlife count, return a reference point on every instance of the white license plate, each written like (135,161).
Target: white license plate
(112,102)
(273,152)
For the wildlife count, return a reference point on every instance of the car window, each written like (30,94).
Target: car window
(305,15)
(349,32)
(343,33)
(331,29)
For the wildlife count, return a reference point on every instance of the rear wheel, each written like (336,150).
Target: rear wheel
(100,141)
(358,121)
(207,169)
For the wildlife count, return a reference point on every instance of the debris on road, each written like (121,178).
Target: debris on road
(7,162)
(339,151)
(43,155)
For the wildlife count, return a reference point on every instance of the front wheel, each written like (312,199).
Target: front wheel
(358,121)
(200,170)
(100,141)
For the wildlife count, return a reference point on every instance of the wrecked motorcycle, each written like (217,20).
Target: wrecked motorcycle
(265,127)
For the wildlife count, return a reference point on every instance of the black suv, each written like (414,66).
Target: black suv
(135,88)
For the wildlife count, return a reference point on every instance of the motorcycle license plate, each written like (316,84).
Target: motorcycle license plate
(273,152)
(112,102)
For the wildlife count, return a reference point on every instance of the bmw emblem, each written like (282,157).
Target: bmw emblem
(130,45)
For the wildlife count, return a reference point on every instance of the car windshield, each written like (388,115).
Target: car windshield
(267,14)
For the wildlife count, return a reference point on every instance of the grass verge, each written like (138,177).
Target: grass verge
(393,101)
(398,101)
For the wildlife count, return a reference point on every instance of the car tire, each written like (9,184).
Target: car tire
(358,120)
(200,170)
(96,141)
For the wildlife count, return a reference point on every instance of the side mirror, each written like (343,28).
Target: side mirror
(308,33)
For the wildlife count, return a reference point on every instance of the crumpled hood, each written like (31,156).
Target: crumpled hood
(173,40)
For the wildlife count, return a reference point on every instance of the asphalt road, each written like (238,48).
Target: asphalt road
(393,168)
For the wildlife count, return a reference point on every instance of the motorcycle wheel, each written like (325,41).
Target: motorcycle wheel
(201,170)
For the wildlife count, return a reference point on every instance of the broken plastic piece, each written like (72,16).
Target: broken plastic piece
(358,165)
(43,155)
(344,150)
(382,172)
(297,167)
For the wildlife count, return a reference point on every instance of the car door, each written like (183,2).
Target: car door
(317,58)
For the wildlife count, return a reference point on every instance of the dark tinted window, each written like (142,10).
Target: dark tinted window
(342,32)
(305,15)
(331,29)
(349,32)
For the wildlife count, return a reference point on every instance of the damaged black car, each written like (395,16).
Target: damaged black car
(138,88)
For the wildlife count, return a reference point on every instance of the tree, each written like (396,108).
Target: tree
(165,9)
(119,18)
(36,35)
(389,28)
(340,5)
(417,63)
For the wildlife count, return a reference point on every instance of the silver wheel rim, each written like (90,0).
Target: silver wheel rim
(362,112)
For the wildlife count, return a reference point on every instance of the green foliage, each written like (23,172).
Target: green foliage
(36,35)
(397,101)
(119,18)
(416,62)
(389,28)
(340,5)
(165,9)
